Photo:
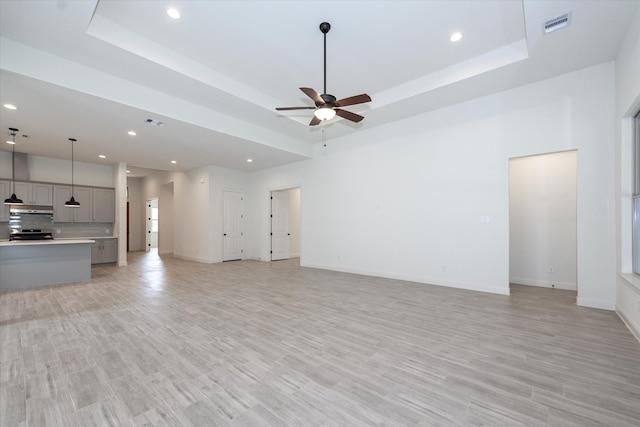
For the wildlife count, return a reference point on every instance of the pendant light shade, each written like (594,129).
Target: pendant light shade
(72,203)
(13,200)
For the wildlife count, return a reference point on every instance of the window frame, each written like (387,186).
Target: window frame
(635,199)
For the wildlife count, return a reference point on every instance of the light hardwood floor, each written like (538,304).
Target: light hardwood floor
(168,342)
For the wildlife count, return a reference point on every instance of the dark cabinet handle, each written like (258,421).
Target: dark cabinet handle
(224,234)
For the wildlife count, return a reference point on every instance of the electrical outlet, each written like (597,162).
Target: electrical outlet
(551,269)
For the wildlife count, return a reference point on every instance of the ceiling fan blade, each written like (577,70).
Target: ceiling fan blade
(348,115)
(294,108)
(353,100)
(313,95)
(315,121)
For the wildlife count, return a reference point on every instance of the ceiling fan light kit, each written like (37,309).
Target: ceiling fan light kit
(325,113)
(326,105)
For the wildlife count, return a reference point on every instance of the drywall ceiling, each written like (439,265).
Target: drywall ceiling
(94,70)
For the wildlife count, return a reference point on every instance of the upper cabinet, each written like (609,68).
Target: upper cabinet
(84,196)
(31,193)
(61,213)
(34,193)
(96,204)
(62,193)
(104,205)
(5,193)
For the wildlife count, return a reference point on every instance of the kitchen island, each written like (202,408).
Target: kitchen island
(26,264)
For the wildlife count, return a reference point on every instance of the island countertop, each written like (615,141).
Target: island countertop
(7,242)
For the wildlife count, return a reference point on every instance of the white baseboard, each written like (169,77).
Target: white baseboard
(188,258)
(543,283)
(635,329)
(478,287)
(594,303)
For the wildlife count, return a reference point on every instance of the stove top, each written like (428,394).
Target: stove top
(31,234)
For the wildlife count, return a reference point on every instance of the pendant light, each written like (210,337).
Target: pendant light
(72,201)
(13,200)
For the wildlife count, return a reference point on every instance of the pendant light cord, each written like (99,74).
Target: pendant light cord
(72,190)
(13,161)
(13,168)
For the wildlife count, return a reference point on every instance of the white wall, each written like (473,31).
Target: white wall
(406,200)
(136,215)
(542,220)
(182,208)
(627,104)
(190,210)
(46,169)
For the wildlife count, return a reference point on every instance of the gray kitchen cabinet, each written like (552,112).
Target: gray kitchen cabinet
(84,195)
(31,193)
(62,193)
(104,205)
(5,193)
(35,193)
(104,251)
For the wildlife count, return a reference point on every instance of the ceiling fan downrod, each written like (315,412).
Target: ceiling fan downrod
(325,27)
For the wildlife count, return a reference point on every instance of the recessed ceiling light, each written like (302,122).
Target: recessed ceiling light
(174,162)
(102,156)
(456,37)
(249,160)
(132,133)
(173,13)
(10,107)
(128,171)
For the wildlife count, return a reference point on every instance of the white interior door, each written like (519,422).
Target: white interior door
(232,225)
(147,243)
(151,222)
(280,233)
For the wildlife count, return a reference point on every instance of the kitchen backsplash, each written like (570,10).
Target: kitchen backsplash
(74,229)
(67,229)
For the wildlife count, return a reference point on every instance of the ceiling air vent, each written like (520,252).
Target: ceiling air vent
(557,23)
(153,122)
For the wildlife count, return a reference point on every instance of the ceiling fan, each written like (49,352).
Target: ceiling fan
(326,105)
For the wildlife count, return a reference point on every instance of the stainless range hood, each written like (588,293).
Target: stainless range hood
(31,209)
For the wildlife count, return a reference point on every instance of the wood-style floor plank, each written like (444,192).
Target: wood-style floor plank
(168,342)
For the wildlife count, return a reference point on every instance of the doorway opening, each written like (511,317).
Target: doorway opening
(543,220)
(152,221)
(285,224)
